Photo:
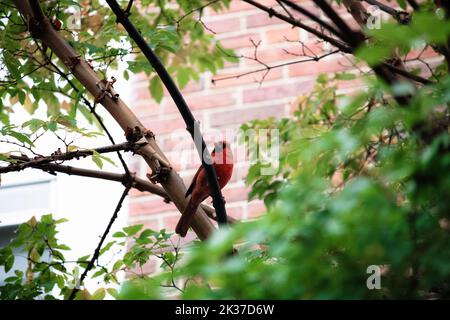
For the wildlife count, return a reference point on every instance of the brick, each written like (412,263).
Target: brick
(235,211)
(160,126)
(184,160)
(136,193)
(239,42)
(261,19)
(311,7)
(233,193)
(239,172)
(277,91)
(244,115)
(241,6)
(152,224)
(182,141)
(206,101)
(283,34)
(350,84)
(223,25)
(148,207)
(255,209)
(170,222)
(193,86)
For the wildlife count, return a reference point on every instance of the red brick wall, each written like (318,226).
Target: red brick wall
(227,104)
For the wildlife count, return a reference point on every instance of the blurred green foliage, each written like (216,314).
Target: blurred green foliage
(362,181)
(356,187)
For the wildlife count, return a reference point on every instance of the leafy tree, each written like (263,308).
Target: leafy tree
(363,180)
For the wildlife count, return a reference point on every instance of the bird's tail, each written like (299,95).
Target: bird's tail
(186,218)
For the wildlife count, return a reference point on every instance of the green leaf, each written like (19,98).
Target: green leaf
(62,247)
(99,294)
(9,263)
(345,76)
(119,234)
(402,4)
(117,265)
(373,54)
(156,89)
(126,75)
(99,273)
(132,230)
(113,292)
(12,64)
(183,75)
(108,160)
(21,137)
(35,125)
(107,247)
(97,159)
(22,96)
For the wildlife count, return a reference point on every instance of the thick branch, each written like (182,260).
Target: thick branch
(310,15)
(413,4)
(401,16)
(152,154)
(191,123)
(346,34)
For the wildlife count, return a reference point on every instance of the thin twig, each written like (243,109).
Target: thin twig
(268,67)
(59,156)
(100,244)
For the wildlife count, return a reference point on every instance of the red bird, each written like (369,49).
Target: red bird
(222,158)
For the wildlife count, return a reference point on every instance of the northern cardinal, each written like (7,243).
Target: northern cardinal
(222,158)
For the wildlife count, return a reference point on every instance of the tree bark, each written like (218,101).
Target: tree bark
(122,114)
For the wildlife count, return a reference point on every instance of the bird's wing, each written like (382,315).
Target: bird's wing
(194,179)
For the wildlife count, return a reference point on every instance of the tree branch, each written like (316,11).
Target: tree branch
(401,16)
(151,153)
(92,109)
(346,34)
(96,254)
(413,4)
(273,13)
(267,68)
(192,125)
(381,70)
(310,15)
(58,156)
(137,183)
